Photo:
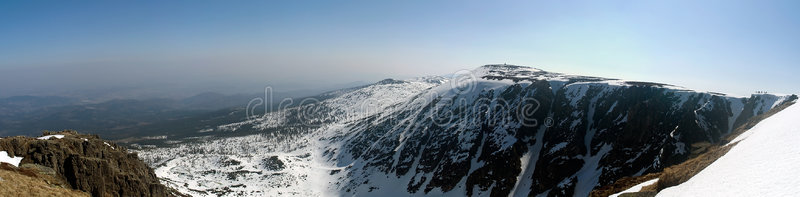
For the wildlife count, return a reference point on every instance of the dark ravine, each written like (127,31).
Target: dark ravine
(88,163)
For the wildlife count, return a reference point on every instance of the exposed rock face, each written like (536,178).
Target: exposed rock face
(583,132)
(24,181)
(506,130)
(88,163)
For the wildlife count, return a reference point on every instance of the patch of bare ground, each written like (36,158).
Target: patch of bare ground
(28,182)
(680,173)
(622,184)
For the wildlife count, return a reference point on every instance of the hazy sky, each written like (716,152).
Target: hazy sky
(726,46)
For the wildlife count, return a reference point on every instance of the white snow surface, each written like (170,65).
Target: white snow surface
(635,188)
(5,158)
(239,166)
(50,136)
(763,163)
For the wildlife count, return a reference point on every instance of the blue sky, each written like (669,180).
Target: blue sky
(726,46)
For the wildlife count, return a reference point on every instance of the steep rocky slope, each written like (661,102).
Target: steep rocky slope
(601,129)
(762,162)
(86,163)
(497,130)
(702,155)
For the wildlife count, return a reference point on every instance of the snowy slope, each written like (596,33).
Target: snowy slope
(283,160)
(635,188)
(466,135)
(5,158)
(764,163)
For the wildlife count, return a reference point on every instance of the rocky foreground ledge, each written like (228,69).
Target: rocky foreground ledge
(82,162)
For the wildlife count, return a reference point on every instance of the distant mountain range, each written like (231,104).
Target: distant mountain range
(113,119)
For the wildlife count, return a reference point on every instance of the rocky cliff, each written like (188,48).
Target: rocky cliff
(85,163)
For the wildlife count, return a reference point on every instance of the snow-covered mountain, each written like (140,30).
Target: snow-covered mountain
(497,130)
(762,163)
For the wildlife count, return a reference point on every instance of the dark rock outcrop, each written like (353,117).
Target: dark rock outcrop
(576,133)
(87,163)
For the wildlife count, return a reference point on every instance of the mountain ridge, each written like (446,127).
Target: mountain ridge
(465,136)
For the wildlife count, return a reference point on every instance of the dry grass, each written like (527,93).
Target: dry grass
(699,148)
(680,173)
(622,184)
(14,183)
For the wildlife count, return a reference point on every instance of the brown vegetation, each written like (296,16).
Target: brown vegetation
(86,163)
(680,173)
(622,184)
(28,182)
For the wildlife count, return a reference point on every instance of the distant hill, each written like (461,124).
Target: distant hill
(29,115)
